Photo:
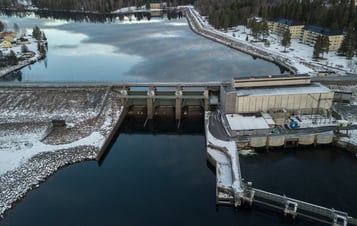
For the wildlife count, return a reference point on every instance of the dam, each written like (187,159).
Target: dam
(224,105)
(236,118)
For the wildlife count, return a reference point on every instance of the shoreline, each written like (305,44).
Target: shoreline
(8,70)
(23,63)
(17,183)
(44,149)
(200,29)
(295,64)
(48,163)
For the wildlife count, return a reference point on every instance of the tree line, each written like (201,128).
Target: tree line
(318,12)
(98,5)
(333,14)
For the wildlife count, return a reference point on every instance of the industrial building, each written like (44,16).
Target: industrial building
(271,100)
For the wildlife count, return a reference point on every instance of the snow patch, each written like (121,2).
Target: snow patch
(20,149)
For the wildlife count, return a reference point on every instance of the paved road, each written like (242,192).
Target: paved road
(216,127)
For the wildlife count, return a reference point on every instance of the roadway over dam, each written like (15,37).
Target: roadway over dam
(211,100)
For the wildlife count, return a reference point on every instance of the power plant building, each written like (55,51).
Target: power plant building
(284,94)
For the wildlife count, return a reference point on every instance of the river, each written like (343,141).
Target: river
(137,51)
(163,178)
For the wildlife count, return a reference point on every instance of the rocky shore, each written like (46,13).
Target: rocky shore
(14,184)
(32,148)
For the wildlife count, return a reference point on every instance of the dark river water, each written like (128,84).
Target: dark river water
(163,178)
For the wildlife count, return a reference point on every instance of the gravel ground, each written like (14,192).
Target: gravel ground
(25,120)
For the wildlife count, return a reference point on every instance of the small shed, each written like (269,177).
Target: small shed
(58,123)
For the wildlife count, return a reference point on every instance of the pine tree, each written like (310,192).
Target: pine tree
(44,36)
(16,28)
(318,47)
(2,26)
(286,40)
(325,44)
(36,33)
(24,49)
(348,45)
(265,29)
(12,59)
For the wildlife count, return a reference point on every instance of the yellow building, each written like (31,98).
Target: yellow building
(6,44)
(289,93)
(9,36)
(279,26)
(311,33)
(156,4)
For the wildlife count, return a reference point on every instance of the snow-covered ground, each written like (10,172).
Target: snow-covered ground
(31,149)
(229,149)
(298,56)
(297,51)
(18,149)
(32,48)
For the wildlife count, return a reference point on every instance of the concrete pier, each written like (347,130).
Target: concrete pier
(221,155)
(178,105)
(111,136)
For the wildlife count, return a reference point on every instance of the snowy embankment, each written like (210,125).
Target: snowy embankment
(31,149)
(201,26)
(228,149)
(298,57)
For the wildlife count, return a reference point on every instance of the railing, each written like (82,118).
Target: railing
(312,211)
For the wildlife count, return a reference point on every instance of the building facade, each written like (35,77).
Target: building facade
(307,34)
(293,97)
(280,25)
(6,44)
(310,34)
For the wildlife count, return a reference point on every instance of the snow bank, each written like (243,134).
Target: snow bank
(11,159)
(231,150)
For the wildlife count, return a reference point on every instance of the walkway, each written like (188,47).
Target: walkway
(232,190)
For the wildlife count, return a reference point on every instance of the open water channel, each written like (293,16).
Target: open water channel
(163,178)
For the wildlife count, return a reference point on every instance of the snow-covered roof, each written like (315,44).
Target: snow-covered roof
(241,122)
(283,90)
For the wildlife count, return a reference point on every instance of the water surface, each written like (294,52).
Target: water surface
(156,50)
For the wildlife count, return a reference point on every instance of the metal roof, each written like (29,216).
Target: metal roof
(322,30)
(283,90)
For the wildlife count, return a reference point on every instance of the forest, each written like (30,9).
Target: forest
(103,6)
(323,13)
(222,14)
(333,14)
